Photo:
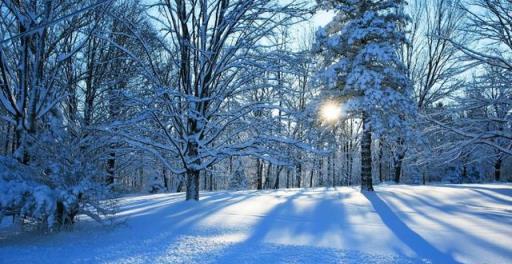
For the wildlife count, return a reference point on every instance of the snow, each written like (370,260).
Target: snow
(397,224)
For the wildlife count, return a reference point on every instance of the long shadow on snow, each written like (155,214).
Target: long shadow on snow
(150,232)
(236,252)
(419,245)
(314,227)
(433,206)
(503,189)
(180,219)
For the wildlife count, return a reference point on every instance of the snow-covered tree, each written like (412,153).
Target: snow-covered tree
(51,175)
(489,27)
(200,112)
(360,52)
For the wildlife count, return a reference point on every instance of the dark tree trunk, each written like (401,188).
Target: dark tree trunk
(111,164)
(366,155)
(329,170)
(381,154)
(350,157)
(320,172)
(179,188)
(205,181)
(333,169)
(267,177)
(192,185)
(400,159)
(298,175)
(288,178)
(464,173)
(311,178)
(193,173)
(259,174)
(211,181)
(398,168)
(497,169)
(278,173)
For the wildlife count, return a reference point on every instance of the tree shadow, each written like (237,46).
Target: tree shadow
(319,224)
(146,235)
(433,206)
(406,235)
(499,189)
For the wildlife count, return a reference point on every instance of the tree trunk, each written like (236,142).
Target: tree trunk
(193,173)
(321,172)
(267,177)
(381,154)
(288,178)
(333,169)
(278,173)
(311,177)
(366,155)
(298,174)
(398,168)
(350,152)
(211,181)
(259,174)
(399,160)
(111,164)
(464,173)
(329,170)
(192,185)
(497,169)
(205,181)
(179,188)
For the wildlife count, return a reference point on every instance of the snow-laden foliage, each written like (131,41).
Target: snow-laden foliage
(201,110)
(50,170)
(359,52)
(60,182)
(50,196)
(360,56)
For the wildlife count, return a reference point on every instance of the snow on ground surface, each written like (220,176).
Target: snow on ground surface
(397,224)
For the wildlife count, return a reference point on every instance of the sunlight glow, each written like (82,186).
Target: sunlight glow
(330,112)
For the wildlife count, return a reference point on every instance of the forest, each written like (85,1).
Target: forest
(103,99)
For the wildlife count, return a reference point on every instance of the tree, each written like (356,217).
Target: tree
(364,38)
(432,61)
(360,52)
(475,127)
(201,114)
(49,164)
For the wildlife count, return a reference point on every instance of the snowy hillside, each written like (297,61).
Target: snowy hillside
(397,224)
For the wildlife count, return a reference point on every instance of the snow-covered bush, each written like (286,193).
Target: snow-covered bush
(59,183)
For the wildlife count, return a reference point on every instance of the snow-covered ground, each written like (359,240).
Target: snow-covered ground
(397,224)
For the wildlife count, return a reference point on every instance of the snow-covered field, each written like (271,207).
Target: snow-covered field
(397,224)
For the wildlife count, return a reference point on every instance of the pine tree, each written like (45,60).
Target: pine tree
(359,51)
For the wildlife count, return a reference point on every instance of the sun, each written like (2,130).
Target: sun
(330,112)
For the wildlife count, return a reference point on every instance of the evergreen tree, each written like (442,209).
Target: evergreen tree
(360,57)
